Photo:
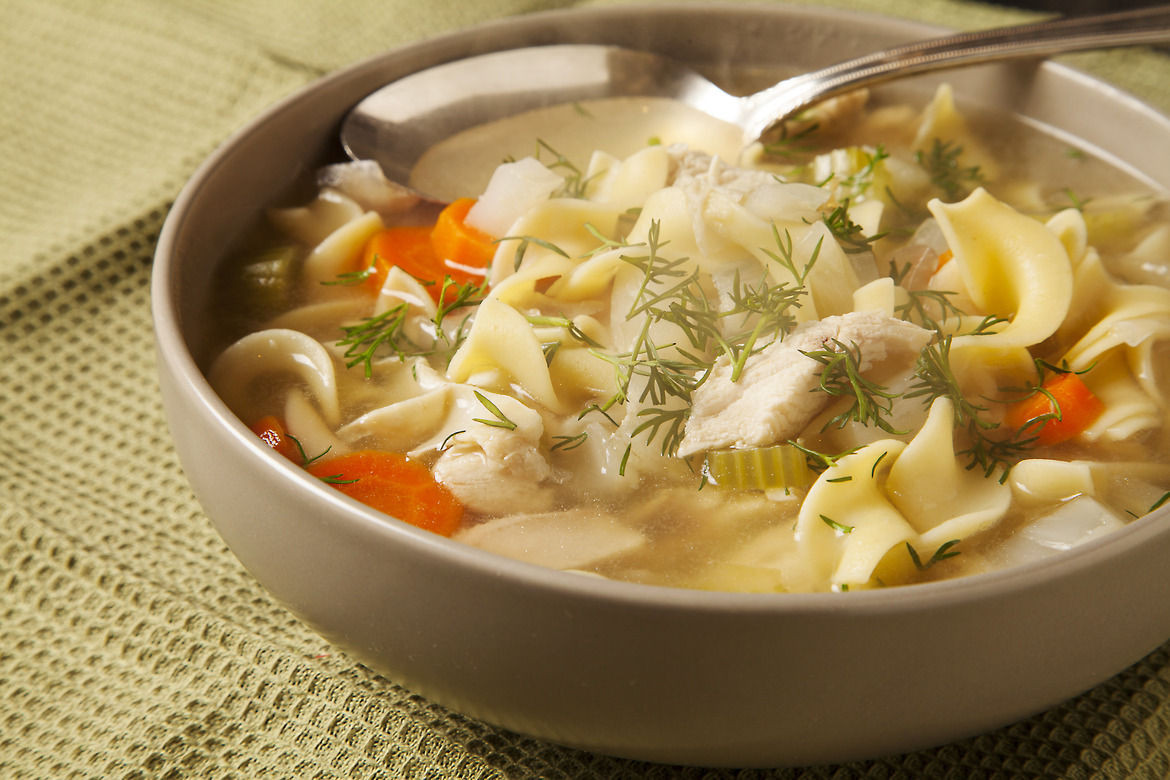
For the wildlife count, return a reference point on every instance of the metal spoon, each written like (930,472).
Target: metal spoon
(396,124)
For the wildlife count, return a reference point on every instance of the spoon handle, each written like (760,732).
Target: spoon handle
(1036,39)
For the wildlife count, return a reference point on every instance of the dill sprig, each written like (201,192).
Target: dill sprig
(771,307)
(818,461)
(943,552)
(351,278)
(388,329)
(576,183)
(840,528)
(987,448)
(841,377)
(848,233)
(524,243)
(499,419)
(941,163)
(861,180)
(929,308)
(306,461)
(566,442)
(372,333)
(791,144)
(671,289)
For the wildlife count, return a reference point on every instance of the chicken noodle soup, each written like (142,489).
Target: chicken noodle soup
(875,351)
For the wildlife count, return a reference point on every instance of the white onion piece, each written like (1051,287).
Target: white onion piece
(513,189)
(1069,525)
(786,201)
(559,540)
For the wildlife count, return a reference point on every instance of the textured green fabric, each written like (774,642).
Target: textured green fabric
(132,643)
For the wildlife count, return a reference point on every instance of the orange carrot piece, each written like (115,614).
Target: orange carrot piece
(431,253)
(394,484)
(944,258)
(273,432)
(465,251)
(407,247)
(1076,408)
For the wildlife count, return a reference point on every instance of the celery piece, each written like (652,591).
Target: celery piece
(780,466)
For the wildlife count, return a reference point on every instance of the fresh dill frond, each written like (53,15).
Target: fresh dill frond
(929,308)
(306,461)
(860,182)
(818,461)
(943,552)
(988,449)
(785,257)
(1076,201)
(840,528)
(386,329)
(672,422)
(453,296)
(499,419)
(848,233)
(941,163)
(576,183)
(841,377)
(791,144)
(540,320)
(524,243)
(566,443)
(351,278)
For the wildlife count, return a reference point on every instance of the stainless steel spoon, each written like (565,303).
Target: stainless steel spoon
(396,124)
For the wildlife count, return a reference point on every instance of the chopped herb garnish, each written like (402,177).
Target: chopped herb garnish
(386,329)
(942,164)
(500,419)
(838,527)
(792,144)
(567,443)
(847,232)
(352,278)
(1077,201)
(525,242)
(841,377)
(941,554)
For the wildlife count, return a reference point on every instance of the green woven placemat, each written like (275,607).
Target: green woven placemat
(132,643)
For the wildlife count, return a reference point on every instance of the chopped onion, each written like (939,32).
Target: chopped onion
(514,189)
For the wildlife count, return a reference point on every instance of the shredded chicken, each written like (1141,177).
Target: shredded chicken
(773,399)
(501,477)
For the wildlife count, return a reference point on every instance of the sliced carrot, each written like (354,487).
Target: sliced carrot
(408,247)
(431,253)
(465,251)
(393,484)
(1076,408)
(273,432)
(944,258)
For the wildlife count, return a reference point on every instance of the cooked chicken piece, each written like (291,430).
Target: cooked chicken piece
(502,476)
(773,400)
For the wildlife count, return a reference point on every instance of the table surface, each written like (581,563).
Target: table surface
(132,643)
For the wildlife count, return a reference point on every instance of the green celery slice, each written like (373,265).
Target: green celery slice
(780,466)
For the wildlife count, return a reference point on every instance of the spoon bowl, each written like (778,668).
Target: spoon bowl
(398,123)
